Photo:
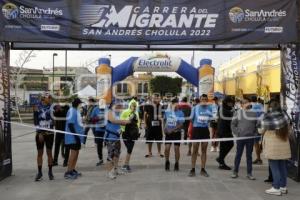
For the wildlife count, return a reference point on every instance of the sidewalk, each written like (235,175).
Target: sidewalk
(148,181)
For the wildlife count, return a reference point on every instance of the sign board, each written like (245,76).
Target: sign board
(149,22)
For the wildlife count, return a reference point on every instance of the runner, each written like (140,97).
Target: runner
(186,108)
(97,118)
(153,125)
(201,116)
(112,136)
(130,132)
(173,123)
(73,142)
(43,119)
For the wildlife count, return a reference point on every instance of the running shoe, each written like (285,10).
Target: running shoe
(204,173)
(38,177)
(51,176)
(274,191)
(167,165)
(234,175)
(176,166)
(111,175)
(77,173)
(99,163)
(70,175)
(126,168)
(258,162)
(284,190)
(192,173)
(250,177)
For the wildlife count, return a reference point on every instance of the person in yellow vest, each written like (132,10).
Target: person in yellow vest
(130,132)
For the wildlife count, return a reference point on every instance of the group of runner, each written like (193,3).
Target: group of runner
(198,120)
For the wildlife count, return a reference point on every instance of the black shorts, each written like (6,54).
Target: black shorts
(173,136)
(200,133)
(48,139)
(213,124)
(75,147)
(154,133)
(129,145)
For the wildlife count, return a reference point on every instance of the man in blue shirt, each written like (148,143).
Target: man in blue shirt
(201,116)
(173,123)
(43,121)
(74,138)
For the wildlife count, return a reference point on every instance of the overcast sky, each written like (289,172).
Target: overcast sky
(82,58)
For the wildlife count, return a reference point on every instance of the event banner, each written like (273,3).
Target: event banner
(5,130)
(290,93)
(149,21)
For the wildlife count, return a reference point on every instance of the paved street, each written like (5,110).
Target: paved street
(148,181)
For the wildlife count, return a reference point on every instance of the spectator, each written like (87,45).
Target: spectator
(214,124)
(275,128)
(225,115)
(244,124)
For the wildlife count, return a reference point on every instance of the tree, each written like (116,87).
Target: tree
(24,58)
(165,84)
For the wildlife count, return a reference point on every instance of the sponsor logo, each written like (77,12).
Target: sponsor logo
(276,29)
(157,62)
(50,27)
(10,11)
(238,15)
(206,84)
(129,16)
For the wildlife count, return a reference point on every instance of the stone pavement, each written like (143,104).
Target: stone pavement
(148,181)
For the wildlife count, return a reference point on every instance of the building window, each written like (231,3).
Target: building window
(140,88)
(145,87)
(119,88)
(122,88)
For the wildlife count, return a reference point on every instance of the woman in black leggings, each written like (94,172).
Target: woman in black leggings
(225,115)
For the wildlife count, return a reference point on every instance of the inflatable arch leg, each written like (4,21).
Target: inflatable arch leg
(104,82)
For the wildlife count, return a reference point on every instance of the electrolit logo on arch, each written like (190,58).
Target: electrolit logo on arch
(157,63)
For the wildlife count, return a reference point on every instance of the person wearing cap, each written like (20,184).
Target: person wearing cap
(274,125)
(87,117)
(44,135)
(173,123)
(201,116)
(74,138)
(112,137)
(244,124)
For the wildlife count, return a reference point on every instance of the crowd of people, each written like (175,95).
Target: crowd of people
(165,123)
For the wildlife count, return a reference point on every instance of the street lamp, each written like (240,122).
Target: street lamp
(54,54)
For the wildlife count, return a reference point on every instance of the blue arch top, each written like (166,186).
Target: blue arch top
(125,69)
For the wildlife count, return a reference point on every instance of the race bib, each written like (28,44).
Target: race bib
(172,122)
(45,124)
(155,123)
(203,119)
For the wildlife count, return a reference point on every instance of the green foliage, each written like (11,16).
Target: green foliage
(165,84)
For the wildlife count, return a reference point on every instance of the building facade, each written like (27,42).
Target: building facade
(250,73)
